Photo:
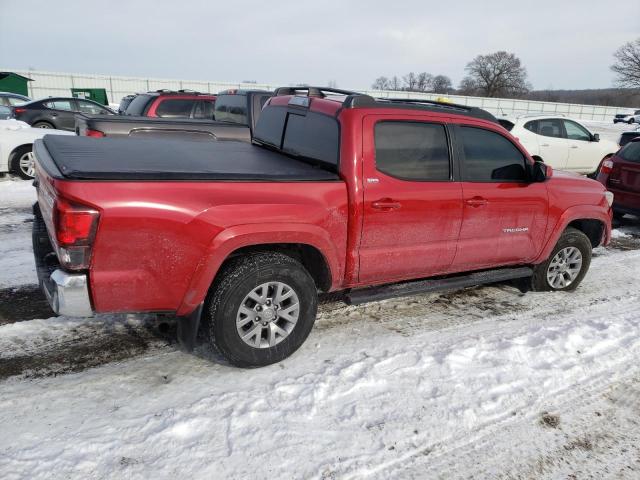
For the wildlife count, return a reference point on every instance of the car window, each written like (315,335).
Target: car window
(175,108)
(59,104)
(630,152)
(532,126)
(204,109)
(576,132)
(138,105)
(490,157)
(91,108)
(15,100)
(550,127)
(412,150)
(313,136)
(232,108)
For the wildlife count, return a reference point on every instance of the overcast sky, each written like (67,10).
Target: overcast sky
(562,43)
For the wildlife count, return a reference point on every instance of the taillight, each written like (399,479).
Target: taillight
(75,226)
(606,167)
(19,110)
(94,133)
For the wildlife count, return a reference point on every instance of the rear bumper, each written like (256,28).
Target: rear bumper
(68,293)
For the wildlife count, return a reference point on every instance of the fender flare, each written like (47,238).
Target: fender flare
(577,212)
(248,235)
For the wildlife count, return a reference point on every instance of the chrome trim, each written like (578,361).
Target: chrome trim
(68,294)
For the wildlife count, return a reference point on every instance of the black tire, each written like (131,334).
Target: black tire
(571,237)
(14,162)
(236,280)
(618,216)
(630,121)
(42,125)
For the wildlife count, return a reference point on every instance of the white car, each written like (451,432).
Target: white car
(16,143)
(561,142)
(627,117)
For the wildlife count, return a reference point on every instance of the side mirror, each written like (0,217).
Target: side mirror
(595,137)
(541,172)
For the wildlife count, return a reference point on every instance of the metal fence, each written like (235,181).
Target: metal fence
(47,84)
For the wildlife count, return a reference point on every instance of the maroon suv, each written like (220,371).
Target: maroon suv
(621,175)
(170,104)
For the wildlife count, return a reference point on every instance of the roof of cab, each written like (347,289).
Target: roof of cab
(332,100)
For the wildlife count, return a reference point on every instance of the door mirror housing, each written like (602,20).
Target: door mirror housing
(541,172)
(595,137)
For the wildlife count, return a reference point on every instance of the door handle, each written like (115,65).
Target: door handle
(614,180)
(476,202)
(385,204)
(574,146)
(544,144)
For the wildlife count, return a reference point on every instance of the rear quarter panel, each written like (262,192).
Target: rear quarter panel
(160,244)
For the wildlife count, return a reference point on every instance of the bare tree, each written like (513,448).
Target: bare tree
(395,83)
(381,83)
(627,64)
(468,86)
(441,84)
(410,81)
(498,74)
(424,82)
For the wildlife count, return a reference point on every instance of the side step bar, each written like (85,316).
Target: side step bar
(405,289)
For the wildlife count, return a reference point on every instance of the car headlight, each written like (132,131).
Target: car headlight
(609,196)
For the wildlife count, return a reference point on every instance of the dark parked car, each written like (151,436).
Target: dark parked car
(57,112)
(626,137)
(621,175)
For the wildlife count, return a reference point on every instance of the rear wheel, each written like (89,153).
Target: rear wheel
(261,309)
(42,125)
(23,163)
(566,266)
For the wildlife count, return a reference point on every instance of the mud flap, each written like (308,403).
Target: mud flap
(188,329)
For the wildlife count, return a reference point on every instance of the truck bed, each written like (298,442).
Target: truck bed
(84,158)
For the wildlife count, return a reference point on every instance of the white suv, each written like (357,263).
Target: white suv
(563,143)
(627,117)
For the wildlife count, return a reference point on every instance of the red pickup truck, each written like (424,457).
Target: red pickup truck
(339,192)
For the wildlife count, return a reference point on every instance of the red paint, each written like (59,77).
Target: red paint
(622,177)
(159,245)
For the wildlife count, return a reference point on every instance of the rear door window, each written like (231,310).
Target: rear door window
(175,108)
(550,127)
(59,105)
(412,151)
(490,157)
(91,108)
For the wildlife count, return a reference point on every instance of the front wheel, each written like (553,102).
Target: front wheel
(23,163)
(261,309)
(566,266)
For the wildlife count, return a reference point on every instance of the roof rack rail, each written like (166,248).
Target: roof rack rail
(312,91)
(354,99)
(471,111)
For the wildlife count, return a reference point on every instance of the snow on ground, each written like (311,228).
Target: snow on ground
(481,383)
(16,198)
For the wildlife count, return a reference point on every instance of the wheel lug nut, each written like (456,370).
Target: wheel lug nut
(264,324)
(257,319)
(259,307)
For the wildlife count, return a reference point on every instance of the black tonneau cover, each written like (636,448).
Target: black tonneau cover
(86,158)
